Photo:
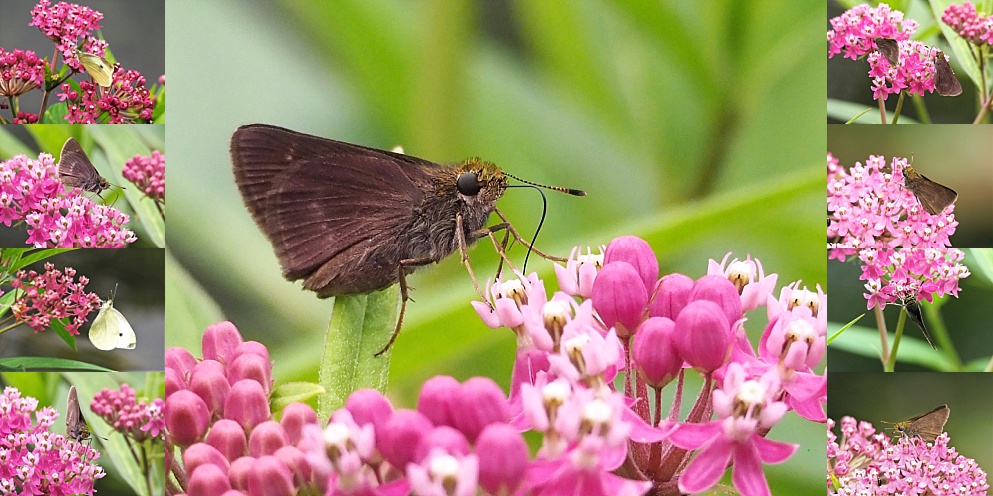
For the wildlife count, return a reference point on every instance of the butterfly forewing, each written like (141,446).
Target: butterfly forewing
(913,308)
(945,81)
(332,210)
(927,426)
(76,170)
(889,49)
(76,428)
(934,197)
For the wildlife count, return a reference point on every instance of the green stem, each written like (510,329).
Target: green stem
(899,107)
(891,363)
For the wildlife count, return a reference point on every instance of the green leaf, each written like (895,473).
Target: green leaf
(844,111)
(42,363)
(293,392)
(55,114)
(864,341)
(980,261)
(37,256)
(360,326)
(10,145)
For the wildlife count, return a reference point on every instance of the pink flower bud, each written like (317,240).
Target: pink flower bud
(269,477)
(209,382)
(246,404)
(228,438)
(654,352)
(481,403)
(220,341)
(703,335)
(238,473)
(266,438)
(173,381)
(672,293)
(369,406)
(637,253)
(295,417)
(180,360)
(400,436)
(619,297)
(449,439)
(722,292)
(437,398)
(186,417)
(208,480)
(296,461)
(503,458)
(203,454)
(251,366)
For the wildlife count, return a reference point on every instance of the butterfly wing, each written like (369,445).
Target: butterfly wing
(98,68)
(126,338)
(334,212)
(934,197)
(945,81)
(889,49)
(74,417)
(76,170)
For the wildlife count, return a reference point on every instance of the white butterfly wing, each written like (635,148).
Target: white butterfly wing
(111,330)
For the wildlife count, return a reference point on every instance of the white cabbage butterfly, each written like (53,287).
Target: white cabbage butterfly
(110,329)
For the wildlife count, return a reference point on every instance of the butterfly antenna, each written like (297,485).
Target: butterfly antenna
(568,191)
(544,209)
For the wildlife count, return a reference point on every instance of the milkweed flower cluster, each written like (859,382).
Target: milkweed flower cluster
(20,71)
(466,438)
(148,173)
(853,33)
(30,191)
(34,460)
(969,24)
(71,27)
(904,251)
(52,294)
(864,461)
(121,409)
(654,329)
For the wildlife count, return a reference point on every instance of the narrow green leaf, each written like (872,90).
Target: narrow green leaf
(360,326)
(293,392)
(32,363)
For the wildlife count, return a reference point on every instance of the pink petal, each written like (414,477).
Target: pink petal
(774,451)
(692,436)
(707,468)
(747,476)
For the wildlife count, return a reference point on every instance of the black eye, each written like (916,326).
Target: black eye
(468,184)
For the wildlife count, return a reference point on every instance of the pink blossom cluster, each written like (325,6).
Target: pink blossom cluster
(20,71)
(914,74)
(34,460)
(853,31)
(71,27)
(52,294)
(148,173)
(126,101)
(969,24)
(905,251)
(30,190)
(121,409)
(655,329)
(866,462)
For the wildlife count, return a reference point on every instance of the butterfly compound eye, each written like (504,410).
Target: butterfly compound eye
(468,184)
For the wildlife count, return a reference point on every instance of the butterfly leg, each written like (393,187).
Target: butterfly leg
(518,238)
(404,295)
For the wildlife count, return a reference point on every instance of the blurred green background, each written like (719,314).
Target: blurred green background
(695,125)
(52,389)
(876,396)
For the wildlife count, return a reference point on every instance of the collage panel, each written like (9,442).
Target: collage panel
(923,62)
(926,273)
(83,433)
(82,186)
(92,309)
(98,61)
(908,432)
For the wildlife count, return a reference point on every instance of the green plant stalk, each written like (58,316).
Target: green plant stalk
(891,363)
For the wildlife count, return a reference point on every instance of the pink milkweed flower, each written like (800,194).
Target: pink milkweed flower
(745,407)
(20,72)
(576,278)
(853,31)
(746,275)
